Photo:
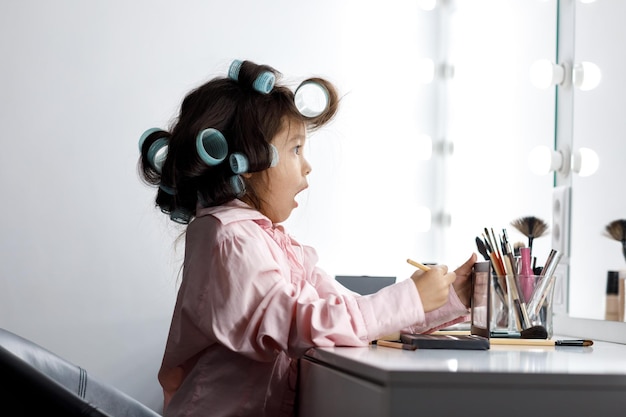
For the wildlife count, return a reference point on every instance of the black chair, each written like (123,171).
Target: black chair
(35,381)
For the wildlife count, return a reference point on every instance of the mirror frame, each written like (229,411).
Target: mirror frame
(564,324)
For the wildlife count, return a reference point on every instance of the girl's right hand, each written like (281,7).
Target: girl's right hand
(433,286)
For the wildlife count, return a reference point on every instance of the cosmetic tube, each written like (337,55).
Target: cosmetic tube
(543,286)
(611,310)
(621,294)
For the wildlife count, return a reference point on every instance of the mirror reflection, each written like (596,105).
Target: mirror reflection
(597,123)
(497,117)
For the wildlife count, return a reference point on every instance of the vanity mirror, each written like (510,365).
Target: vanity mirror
(597,122)
(497,117)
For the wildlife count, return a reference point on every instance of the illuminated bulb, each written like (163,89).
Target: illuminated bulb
(586,76)
(424,147)
(423,219)
(544,74)
(426,71)
(427,5)
(585,162)
(543,160)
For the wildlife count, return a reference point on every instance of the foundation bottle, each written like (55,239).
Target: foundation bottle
(612,308)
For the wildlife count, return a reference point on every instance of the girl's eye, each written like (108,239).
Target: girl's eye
(297,149)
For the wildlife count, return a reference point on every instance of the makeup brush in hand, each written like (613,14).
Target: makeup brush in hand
(530,226)
(617,230)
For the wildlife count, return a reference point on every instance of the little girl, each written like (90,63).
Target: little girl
(252,299)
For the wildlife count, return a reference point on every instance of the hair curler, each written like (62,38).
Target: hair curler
(274,157)
(180,215)
(238,163)
(237,185)
(263,83)
(157,152)
(211,146)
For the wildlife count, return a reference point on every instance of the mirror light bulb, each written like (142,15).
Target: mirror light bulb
(426,71)
(586,76)
(423,219)
(544,73)
(427,5)
(424,149)
(542,160)
(585,162)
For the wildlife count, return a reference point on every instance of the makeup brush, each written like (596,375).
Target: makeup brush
(617,230)
(538,342)
(534,332)
(517,246)
(418,265)
(530,226)
(482,249)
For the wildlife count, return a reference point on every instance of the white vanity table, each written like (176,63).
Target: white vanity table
(503,381)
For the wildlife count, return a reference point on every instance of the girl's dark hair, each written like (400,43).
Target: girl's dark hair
(247,119)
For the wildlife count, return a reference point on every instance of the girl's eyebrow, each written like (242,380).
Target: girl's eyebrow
(297,138)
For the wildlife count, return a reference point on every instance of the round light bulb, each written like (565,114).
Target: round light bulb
(544,73)
(587,75)
(585,162)
(542,160)
(426,71)
(427,5)
(423,219)
(424,147)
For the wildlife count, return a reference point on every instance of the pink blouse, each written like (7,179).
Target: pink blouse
(251,302)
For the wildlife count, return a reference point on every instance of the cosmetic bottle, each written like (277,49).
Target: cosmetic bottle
(525,274)
(621,295)
(612,308)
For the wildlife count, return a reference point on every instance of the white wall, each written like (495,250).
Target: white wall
(88,266)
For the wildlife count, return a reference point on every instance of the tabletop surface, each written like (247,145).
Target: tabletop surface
(601,363)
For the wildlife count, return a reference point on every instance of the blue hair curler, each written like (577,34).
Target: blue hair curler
(233,70)
(237,184)
(180,215)
(263,83)
(311,98)
(145,135)
(157,153)
(238,163)
(211,146)
(167,189)
(274,160)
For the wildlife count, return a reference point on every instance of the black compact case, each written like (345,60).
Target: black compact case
(479,327)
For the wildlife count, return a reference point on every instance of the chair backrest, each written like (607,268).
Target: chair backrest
(45,382)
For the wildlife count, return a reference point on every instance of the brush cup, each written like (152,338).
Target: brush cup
(512,300)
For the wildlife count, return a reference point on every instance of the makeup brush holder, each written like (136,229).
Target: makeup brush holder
(512,306)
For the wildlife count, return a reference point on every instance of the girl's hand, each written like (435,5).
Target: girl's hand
(463,282)
(433,286)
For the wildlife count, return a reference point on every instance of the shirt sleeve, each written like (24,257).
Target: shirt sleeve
(256,298)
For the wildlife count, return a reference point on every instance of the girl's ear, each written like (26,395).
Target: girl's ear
(246,175)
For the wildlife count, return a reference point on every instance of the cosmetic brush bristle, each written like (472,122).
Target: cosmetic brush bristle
(482,249)
(617,230)
(530,226)
(534,332)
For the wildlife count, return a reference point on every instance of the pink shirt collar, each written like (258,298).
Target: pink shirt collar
(236,211)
